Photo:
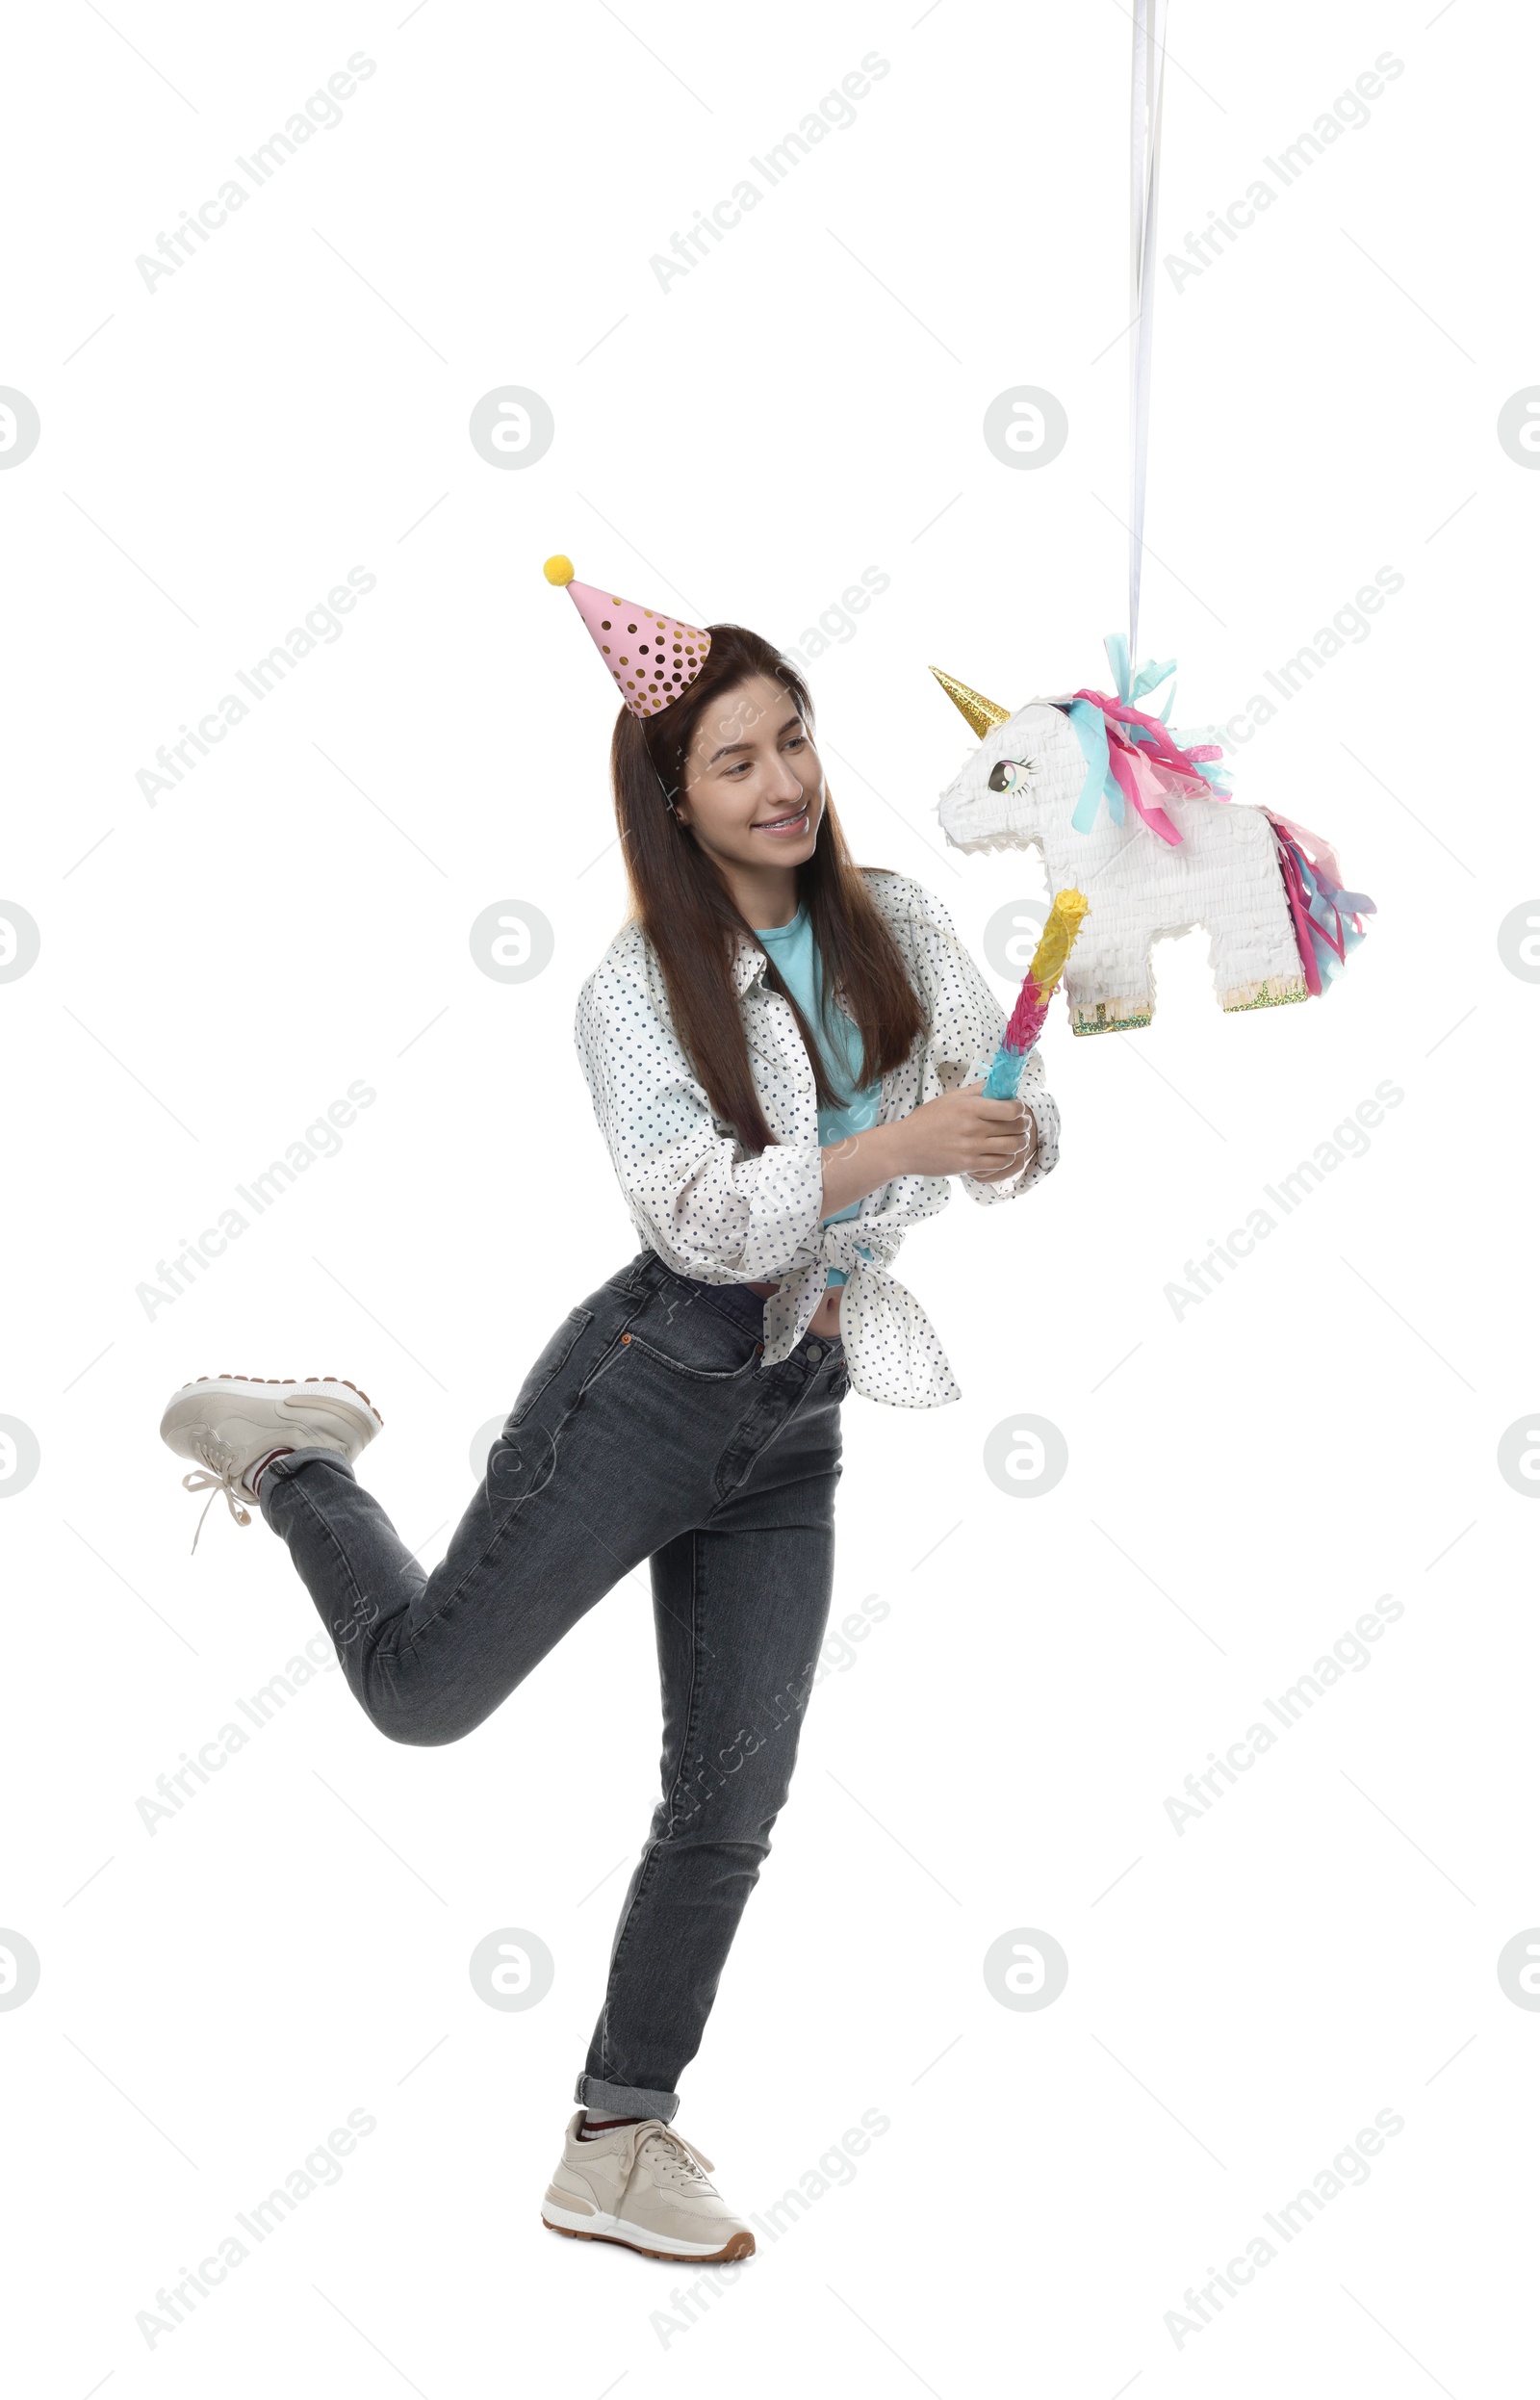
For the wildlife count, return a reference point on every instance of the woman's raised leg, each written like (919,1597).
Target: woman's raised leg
(588,1478)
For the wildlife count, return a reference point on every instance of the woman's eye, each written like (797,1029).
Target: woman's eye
(1003,776)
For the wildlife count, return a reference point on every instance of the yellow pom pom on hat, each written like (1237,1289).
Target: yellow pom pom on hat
(653,657)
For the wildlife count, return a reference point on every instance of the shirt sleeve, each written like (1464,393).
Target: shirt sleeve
(967,1022)
(707,1209)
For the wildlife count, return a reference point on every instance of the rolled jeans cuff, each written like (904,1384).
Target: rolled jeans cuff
(283,1467)
(623,2100)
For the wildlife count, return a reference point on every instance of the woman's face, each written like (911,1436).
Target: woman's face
(752,787)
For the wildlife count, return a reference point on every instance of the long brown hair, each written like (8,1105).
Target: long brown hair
(693,923)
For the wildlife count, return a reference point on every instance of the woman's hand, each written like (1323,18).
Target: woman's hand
(960,1133)
(963,1133)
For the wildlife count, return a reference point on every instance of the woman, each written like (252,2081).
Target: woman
(783,1053)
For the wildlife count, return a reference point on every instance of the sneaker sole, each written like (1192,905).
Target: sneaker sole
(608,2228)
(338,1384)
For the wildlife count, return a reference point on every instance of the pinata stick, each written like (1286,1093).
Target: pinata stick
(1028,1016)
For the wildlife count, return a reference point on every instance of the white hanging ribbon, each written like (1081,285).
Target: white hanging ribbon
(1144,161)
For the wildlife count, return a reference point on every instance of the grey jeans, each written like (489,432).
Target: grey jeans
(648,1428)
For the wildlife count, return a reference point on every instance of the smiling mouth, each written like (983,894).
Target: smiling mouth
(782,824)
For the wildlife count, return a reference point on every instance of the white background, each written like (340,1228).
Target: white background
(1244,1480)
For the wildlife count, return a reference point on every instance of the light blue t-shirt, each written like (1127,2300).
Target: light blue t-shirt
(800,968)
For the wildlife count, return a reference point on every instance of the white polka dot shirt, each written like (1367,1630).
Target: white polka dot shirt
(713,1213)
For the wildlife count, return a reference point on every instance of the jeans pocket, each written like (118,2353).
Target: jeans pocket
(551,1361)
(694,1340)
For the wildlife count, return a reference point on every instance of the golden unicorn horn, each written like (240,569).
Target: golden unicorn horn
(983,715)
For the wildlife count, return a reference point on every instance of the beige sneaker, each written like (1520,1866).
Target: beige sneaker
(229,1424)
(646,2188)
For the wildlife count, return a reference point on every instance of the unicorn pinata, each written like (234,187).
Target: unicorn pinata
(1169,852)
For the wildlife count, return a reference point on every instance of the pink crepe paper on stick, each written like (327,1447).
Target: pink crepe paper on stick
(1028,1016)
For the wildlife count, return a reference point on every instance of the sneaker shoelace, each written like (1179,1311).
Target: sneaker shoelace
(681,2163)
(220,1475)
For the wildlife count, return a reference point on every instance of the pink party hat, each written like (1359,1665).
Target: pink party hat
(653,657)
